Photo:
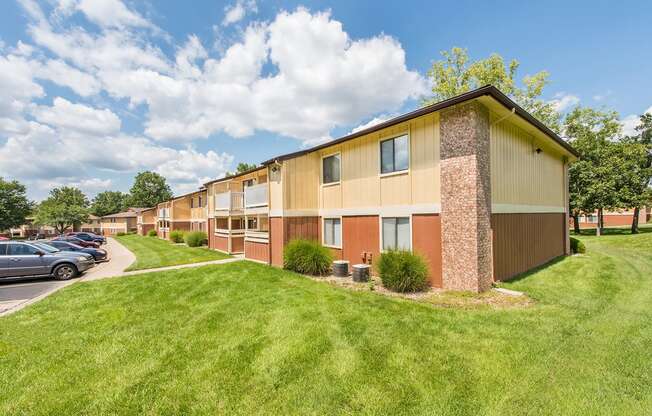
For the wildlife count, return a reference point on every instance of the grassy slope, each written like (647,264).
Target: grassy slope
(152,252)
(246,339)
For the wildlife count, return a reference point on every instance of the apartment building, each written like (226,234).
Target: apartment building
(146,220)
(174,214)
(93,225)
(474,184)
(613,218)
(199,211)
(121,222)
(238,214)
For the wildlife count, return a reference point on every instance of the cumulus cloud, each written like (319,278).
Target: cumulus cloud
(237,11)
(631,121)
(78,117)
(563,102)
(376,120)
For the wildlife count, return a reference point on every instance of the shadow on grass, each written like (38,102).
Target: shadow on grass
(642,229)
(537,269)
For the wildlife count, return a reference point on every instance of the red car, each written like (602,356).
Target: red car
(3,238)
(78,241)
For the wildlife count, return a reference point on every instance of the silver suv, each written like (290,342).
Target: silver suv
(20,259)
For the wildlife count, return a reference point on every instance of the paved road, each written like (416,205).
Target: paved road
(17,294)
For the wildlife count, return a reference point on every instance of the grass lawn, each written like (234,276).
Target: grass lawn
(153,252)
(244,338)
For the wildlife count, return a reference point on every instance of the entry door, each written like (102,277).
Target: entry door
(23,260)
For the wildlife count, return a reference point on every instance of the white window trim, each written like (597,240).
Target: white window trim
(323,232)
(380,229)
(380,155)
(321,170)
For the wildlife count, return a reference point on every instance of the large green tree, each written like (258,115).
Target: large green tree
(456,74)
(65,208)
(109,202)
(594,178)
(148,190)
(14,205)
(636,169)
(242,167)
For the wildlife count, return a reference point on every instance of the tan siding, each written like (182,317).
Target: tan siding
(300,182)
(519,175)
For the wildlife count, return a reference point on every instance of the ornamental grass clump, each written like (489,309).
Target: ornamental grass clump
(307,257)
(403,271)
(195,238)
(577,247)
(176,236)
(152,233)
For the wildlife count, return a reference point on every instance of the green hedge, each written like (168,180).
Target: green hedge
(577,247)
(195,238)
(176,236)
(403,271)
(120,234)
(152,233)
(307,257)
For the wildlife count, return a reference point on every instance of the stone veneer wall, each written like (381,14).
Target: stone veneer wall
(465,198)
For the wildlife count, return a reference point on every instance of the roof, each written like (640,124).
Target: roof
(487,90)
(235,175)
(124,214)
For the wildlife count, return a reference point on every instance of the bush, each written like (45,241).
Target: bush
(403,271)
(577,246)
(120,234)
(195,238)
(176,236)
(152,233)
(307,257)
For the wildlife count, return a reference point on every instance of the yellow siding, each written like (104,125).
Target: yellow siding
(181,209)
(300,182)
(520,176)
(276,191)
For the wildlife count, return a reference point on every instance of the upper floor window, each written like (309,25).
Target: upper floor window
(248,183)
(192,202)
(394,155)
(331,169)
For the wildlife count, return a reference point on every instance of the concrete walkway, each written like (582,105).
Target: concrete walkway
(20,295)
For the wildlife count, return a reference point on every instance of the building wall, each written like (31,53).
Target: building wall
(257,251)
(426,241)
(523,241)
(360,239)
(181,209)
(237,244)
(143,229)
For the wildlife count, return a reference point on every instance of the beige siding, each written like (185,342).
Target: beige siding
(301,182)
(519,175)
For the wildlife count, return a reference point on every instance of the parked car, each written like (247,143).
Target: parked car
(3,238)
(86,236)
(22,259)
(78,241)
(98,254)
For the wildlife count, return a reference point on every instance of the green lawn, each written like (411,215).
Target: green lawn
(153,252)
(243,338)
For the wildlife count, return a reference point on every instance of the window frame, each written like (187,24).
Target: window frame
(323,232)
(321,169)
(380,155)
(382,236)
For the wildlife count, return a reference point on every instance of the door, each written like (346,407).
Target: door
(23,260)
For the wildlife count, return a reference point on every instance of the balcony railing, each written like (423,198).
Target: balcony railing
(229,201)
(256,196)
(164,212)
(257,236)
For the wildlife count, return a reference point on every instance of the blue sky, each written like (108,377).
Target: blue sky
(93,91)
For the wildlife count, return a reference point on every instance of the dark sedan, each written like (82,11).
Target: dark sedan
(98,254)
(88,237)
(78,241)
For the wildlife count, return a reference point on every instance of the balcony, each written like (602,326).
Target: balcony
(256,196)
(229,201)
(164,213)
(257,236)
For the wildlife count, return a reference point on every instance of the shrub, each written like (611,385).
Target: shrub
(176,236)
(307,257)
(152,233)
(195,238)
(577,246)
(403,271)
(120,234)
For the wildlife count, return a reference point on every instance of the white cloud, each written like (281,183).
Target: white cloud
(631,121)
(78,117)
(63,74)
(563,101)
(237,11)
(376,120)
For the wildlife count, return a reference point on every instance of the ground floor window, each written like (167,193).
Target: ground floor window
(333,232)
(396,233)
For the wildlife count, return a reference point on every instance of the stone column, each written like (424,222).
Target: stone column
(466,198)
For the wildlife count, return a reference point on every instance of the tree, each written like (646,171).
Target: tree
(241,168)
(109,202)
(454,75)
(148,190)
(593,179)
(636,169)
(14,205)
(63,209)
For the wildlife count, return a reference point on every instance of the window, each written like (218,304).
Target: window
(333,232)
(200,202)
(21,250)
(192,202)
(3,249)
(248,183)
(396,233)
(394,155)
(331,169)
(252,223)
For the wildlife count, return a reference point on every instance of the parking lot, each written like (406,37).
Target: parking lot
(16,294)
